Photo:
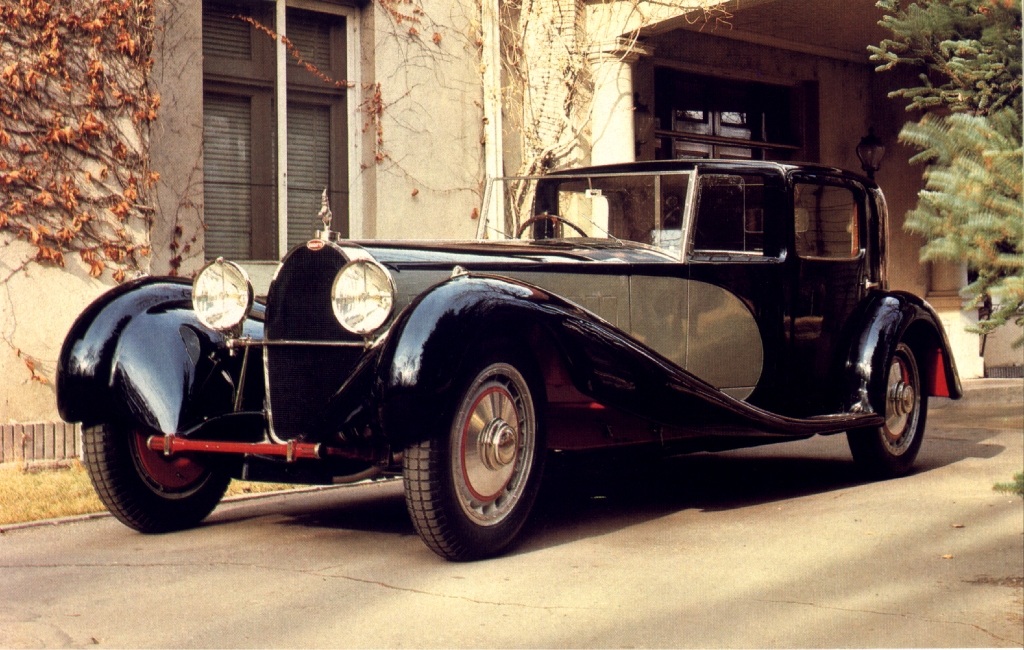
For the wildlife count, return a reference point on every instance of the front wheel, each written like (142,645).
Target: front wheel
(889,450)
(470,490)
(144,489)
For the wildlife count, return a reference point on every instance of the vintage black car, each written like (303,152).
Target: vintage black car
(683,305)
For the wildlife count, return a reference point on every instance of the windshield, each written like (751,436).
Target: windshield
(641,207)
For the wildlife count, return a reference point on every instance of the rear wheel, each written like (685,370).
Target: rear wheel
(890,449)
(470,489)
(144,489)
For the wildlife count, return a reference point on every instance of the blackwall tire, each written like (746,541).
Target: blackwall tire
(470,489)
(142,488)
(890,450)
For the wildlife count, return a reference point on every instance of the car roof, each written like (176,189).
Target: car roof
(688,164)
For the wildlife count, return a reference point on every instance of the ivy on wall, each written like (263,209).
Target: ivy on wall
(75,112)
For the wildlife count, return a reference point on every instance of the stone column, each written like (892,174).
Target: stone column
(944,295)
(612,136)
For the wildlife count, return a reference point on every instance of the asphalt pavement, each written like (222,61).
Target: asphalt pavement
(780,546)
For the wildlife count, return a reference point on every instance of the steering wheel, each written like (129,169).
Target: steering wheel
(553,218)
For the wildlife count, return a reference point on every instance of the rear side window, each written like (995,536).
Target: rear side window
(826,220)
(730,214)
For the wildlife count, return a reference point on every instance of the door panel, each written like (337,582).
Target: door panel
(701,327)
(724,347)
(658,311)
(828,220)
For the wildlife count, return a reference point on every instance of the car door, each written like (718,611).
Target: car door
(828,267)
(735,268)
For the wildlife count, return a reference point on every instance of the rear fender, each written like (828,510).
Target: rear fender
(887,320)
(138,353)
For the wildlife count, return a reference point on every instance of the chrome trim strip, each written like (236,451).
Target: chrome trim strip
(268,404)
(578,174)
(689,205)
(240,388)
(235,344)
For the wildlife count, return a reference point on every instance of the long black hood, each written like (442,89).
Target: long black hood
(513,252)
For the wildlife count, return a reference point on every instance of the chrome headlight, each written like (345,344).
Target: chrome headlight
(362,296)
(222,295)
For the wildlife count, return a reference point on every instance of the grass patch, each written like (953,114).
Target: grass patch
(28,495)
(36,494)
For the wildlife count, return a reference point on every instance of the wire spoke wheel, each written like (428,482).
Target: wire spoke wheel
(889,450)
(493,441)
(902,406)
(470,489)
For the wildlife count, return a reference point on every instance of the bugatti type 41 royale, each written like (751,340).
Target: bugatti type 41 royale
(681,306)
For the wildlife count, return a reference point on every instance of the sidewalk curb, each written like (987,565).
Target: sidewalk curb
(986,391)
(238,498)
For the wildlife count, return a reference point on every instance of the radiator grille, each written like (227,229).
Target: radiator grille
(302,378)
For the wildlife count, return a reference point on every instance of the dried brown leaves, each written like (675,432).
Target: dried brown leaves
(75,107)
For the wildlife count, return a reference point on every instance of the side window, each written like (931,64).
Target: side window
(730,214)
(645,208)
(826,220)
(668,232)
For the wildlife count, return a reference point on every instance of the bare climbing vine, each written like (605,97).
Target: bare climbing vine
(547,94)
(75,113)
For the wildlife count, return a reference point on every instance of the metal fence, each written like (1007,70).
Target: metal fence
(40,442)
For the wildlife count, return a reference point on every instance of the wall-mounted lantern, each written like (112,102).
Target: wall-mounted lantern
(870,152)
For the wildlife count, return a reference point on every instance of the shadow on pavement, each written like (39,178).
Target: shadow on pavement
(385,513)
(377,508)
(593,495)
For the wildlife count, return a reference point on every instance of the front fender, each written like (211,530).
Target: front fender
(139,353)
(888,319)
(428,347)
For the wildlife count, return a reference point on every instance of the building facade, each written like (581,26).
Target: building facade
(401,110)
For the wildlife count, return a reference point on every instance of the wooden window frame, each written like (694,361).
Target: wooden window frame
(255,79)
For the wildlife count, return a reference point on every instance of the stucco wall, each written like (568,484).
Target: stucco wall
(176,145)
(900,181)
(37,307)
(38,303)
(415,177)
(428,167)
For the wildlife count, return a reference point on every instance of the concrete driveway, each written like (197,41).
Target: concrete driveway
(782,546)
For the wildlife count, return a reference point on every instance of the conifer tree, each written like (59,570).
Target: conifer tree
(968,54)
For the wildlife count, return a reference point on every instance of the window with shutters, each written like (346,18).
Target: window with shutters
(240,128)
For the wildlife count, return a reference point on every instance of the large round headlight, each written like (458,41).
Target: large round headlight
(222,295)
(362,296)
